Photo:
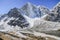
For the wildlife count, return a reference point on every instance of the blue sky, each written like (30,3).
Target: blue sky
(6,5)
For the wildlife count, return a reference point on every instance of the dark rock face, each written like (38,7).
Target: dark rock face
(19,19)
(21,23)
(14,13)
(55,14)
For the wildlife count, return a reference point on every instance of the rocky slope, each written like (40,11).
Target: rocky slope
(30,22)
(55,14)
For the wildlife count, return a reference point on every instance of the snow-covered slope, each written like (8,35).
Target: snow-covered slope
(23,17)
(31,18)
(27,17)
(34,11)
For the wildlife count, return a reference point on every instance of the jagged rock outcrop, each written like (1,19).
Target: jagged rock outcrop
(55,14)
(14,18)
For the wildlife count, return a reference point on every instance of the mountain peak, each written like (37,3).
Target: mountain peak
(55,13)
(58,3)
(14,9)
(14,12)
(28,3)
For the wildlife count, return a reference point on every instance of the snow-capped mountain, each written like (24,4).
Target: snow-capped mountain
(23,17)
(13,18)
(29,21)
(34,11)
(55,13)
